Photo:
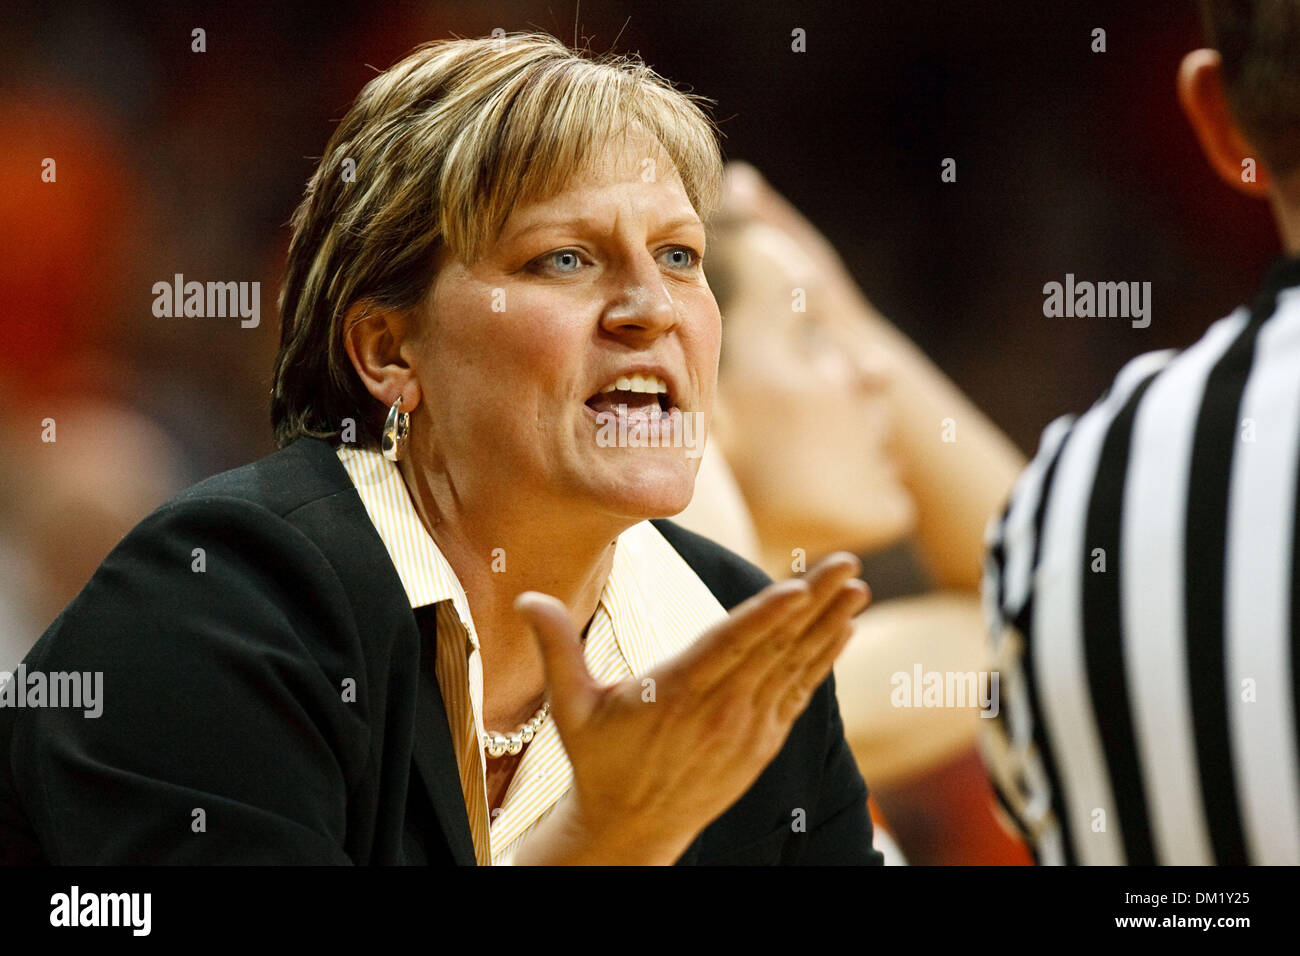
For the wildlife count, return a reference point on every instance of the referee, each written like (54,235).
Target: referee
(1142,582)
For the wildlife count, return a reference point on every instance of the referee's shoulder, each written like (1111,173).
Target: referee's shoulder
(1018,528)
(1149,367)
(1056,435)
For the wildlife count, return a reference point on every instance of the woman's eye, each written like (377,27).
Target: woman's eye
(683,257)
(569,261)
(563,261)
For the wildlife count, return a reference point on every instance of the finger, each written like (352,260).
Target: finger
(815,670)
(742,185)
(730,642)
(776,651)
(824,580)
(796,698)
(751,192)
(815,651)
(573,691)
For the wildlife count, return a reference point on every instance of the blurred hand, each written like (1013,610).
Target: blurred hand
(746,194)
(650,775)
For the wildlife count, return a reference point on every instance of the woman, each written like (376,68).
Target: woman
(470,646)
(864,443)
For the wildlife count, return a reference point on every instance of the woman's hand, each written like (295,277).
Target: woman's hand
(650,774)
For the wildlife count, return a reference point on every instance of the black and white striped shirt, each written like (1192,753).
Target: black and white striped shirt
(1142,592)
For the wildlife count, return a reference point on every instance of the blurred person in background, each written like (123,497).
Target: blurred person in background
(1143,584)
(833,431)
(74,498)
(81,465)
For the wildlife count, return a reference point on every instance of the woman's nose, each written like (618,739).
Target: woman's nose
(643,304)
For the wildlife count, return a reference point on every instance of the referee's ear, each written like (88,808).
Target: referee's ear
(1204,100)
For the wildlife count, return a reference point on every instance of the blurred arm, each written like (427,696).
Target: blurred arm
(958,485)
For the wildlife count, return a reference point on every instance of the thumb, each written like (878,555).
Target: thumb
(573,691)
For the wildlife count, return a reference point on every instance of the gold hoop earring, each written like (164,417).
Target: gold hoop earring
(397,431)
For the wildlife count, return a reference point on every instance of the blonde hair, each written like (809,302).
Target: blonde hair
(443,145)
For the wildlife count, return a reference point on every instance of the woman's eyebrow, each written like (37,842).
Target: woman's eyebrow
(581,222)
(590,223)
(689,222)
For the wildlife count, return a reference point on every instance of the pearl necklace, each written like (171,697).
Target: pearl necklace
(498,745)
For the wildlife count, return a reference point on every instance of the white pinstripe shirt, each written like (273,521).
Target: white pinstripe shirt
(632,632)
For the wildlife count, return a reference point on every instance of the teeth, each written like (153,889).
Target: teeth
(649,384)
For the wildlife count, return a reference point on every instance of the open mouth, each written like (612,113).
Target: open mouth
(641,398)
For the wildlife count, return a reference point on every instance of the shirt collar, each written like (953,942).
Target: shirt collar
(648,628)
(1283,273)
(657,605)
(425,573)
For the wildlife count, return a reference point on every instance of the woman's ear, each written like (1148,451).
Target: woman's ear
(374,337)
(1205,101)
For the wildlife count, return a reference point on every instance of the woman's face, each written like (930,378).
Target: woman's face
(808,421)
(598,284)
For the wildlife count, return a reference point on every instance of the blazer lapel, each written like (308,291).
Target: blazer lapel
(311,468)
(432,751)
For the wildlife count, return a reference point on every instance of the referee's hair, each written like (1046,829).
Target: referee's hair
(1259,43)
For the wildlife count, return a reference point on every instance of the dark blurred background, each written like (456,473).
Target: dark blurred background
(171,161)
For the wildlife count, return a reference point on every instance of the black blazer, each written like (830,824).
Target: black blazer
(225,736)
